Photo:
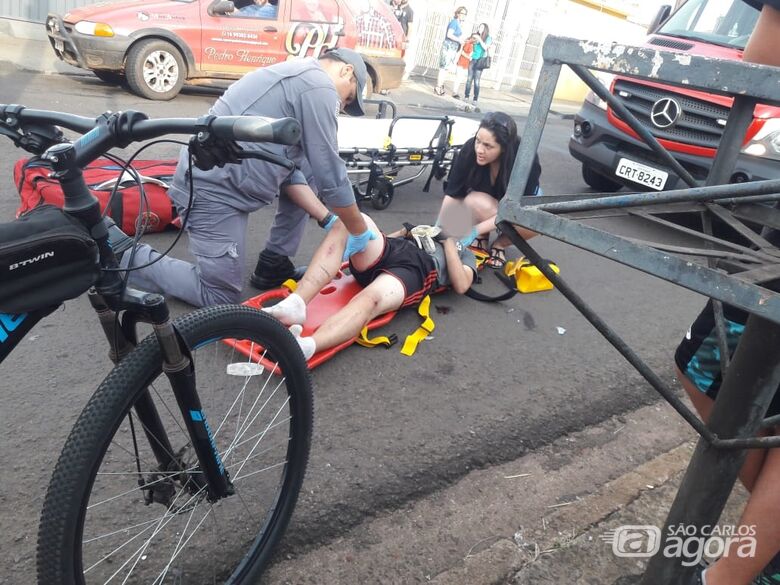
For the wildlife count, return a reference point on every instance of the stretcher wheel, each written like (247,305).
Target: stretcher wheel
(382,194)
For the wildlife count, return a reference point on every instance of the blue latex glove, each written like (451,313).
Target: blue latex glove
(334,218)
(469,238)
(358,243)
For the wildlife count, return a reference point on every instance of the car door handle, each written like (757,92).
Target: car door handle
(270,29)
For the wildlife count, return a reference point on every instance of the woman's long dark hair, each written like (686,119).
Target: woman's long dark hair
(485,31)
(504,129)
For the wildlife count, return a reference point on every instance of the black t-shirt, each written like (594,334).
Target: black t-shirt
(404,14)
(461,181)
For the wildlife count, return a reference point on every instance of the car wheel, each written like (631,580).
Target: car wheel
(599,182)
(155,69)
(111,77)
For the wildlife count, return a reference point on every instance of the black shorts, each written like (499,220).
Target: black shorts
(698,355)
(759,3)
(402,259)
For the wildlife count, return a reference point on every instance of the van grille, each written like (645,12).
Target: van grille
(698,125)
(671,44)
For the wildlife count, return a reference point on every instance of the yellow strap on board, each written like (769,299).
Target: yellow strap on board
(423,331)
(290,284)
(364,340)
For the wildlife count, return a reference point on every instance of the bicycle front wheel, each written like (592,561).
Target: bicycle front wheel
(113,514)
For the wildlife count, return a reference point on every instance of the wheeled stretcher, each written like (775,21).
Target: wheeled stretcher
(376,150)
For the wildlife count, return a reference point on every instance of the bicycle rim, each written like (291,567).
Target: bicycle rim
(114,524)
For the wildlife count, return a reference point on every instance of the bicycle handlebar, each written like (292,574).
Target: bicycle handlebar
(286,131)
(73,122)
(35,130)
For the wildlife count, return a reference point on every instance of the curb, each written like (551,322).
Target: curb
(506,559)
(33,56)
(510,520)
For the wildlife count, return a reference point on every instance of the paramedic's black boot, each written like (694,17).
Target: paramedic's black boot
(272,270)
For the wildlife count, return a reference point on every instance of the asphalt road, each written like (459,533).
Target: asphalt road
(495,382)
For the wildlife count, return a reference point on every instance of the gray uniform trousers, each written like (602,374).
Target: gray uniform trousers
(217,241)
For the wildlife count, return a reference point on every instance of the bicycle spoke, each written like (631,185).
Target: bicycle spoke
(256,455)
(145,546)
(240,396)
(248,439)
(257,399)
(162,522)
(135,489)
(259,412)
(115,532)
(260,439)
(181,548)
(274,466)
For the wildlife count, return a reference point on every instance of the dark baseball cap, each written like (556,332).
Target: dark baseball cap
(353,58)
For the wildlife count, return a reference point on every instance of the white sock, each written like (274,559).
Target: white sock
(290,311)
(308,347)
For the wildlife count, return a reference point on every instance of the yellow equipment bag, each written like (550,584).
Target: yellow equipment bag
(528,277)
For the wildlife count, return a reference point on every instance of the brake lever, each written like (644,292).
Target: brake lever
(208,152)
(35,139)
(268,157)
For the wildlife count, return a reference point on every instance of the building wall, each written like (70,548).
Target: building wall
(518,30)
(36,10)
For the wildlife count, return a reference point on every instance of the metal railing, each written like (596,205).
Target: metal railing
(727,272)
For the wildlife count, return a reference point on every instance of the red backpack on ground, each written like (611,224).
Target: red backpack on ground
(36,186)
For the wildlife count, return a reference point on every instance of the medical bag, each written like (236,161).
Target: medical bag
(36,186)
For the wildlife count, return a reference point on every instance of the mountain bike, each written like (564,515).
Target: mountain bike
(186,463)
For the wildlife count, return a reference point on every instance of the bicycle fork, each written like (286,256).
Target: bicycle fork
(179,369)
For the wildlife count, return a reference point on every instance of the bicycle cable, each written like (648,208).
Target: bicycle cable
(138,234)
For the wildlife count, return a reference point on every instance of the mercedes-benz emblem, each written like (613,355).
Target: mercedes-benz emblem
(665,112)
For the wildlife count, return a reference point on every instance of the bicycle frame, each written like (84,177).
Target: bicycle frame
(110,298)
(13,328)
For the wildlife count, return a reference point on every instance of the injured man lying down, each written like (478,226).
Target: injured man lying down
(394,271)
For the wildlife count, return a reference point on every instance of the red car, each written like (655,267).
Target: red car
(159,45)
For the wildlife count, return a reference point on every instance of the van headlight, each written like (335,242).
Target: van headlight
(766,143)
(592,98)
(94,29)
(606,80)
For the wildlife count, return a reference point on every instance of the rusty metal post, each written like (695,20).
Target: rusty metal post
(747,391)
(748,387)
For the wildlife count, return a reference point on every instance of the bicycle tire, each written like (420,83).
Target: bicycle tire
(59,548)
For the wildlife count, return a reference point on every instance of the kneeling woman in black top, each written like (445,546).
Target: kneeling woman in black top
(480,174)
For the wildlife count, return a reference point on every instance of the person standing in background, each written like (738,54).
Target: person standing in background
(479,59)
(405,15)
(450,48)
(463,66)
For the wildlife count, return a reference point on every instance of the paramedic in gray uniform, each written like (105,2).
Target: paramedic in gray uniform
(311,90)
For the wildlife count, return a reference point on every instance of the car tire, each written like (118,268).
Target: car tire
(598,181)
(155,69)
(111,77)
